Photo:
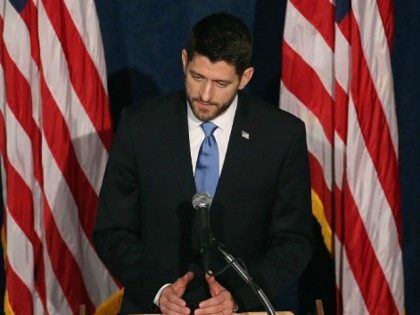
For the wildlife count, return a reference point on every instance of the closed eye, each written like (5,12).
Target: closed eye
(222,84)
(197,77)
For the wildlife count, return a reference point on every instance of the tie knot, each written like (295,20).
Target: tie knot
(208,128)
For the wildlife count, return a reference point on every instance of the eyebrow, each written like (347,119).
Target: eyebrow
(219,81)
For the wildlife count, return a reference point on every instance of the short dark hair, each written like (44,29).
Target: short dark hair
(222,37)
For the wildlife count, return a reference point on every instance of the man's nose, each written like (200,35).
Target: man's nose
(206,92)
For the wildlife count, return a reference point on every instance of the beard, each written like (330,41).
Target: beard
(214,109)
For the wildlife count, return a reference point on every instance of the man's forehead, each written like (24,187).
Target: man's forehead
(204,66)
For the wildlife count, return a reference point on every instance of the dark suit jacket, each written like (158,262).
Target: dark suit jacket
(146,229)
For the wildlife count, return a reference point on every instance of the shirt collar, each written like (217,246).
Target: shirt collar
(223,122)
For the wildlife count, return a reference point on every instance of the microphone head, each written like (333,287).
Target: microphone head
(201,200)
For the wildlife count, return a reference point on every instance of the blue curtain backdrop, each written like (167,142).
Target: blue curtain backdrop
(143,41)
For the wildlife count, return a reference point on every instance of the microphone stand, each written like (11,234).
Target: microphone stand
(202,202)
(244,275)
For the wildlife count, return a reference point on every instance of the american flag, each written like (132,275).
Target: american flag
(55,134)
(336,76)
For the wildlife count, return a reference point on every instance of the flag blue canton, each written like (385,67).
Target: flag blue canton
(342,8)
(18,4)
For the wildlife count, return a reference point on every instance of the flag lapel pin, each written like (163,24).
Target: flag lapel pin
(245,135)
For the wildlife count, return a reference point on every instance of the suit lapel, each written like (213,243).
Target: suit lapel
(239,147)
(177,134)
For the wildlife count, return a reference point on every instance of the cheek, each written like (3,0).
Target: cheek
(192,87)
(224,95)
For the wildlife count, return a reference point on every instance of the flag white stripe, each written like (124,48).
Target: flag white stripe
(373,207)
(3,180)
(342,60)
(376,52)
(19,251)
(56,300)
(19,50)
(304,38)
(339,156)
(90,152)
(2,105)
(16,144)
(20,254)
(18,46)
(65,213)
(318,143)
(350,292)
(342,76)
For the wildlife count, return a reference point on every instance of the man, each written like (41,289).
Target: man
(147,231)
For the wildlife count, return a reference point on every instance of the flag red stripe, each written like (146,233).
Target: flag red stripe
(29,16)
(18,96)
(83,73)
(20,206)
(308,88)
(58,138)
(386,13)
(340,113)
(374,126)
(64,265)
(319,185)
(345,27)
(320,14)
(369,274)
(20,298)
(2,133)
(19,200)
(339,211)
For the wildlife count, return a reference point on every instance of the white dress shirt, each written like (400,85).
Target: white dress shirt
(196,134)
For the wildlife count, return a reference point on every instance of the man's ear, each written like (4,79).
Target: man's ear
(184,58)
(246,77)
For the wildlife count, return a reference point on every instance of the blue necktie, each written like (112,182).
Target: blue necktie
(207,168)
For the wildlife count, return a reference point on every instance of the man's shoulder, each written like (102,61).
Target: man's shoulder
(267,112)
(156,105)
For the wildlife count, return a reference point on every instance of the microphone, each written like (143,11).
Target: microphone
(201,202)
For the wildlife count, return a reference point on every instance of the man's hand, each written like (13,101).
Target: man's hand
(170,301)
(221,301)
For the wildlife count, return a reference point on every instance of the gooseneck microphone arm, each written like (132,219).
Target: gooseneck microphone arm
(202,202)
(244,275)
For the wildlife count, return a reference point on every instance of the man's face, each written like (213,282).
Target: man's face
(211,87)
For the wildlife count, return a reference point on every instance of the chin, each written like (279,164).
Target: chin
(203,115)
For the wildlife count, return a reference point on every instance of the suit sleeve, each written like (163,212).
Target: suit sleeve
(290,243)
(117,235)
